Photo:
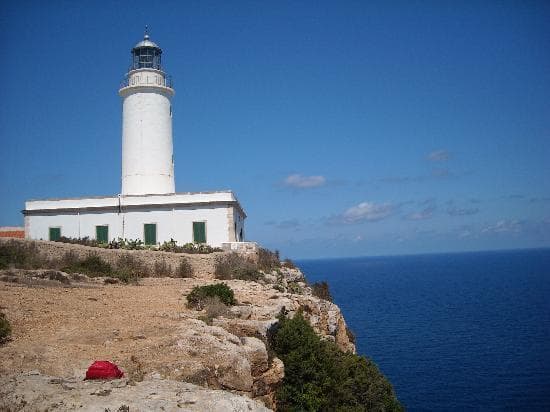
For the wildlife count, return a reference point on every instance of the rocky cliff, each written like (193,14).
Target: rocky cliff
(170,353)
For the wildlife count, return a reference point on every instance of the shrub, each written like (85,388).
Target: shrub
(213,308)
(318,376)
(86,241)
(162,268)
(235,266)
(198,296)
(184,270)
(268,260)
(92,265)
(171,246)
(128,268)
(295,288)
(321,290)
(21,255)
(201,248)
(5,328)
(287,263)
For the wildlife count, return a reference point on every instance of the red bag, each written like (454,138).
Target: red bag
(103,370)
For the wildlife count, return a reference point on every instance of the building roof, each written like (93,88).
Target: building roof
(118,202)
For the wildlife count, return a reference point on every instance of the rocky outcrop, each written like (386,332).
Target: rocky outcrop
(32,391)
(62,322)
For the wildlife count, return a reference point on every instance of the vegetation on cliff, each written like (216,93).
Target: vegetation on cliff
(320,377)
(5,328)
(197,297)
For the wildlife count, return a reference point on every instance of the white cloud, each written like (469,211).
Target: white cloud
(425,213)
(439,155)
(367,211)
(503,226)
(304,182)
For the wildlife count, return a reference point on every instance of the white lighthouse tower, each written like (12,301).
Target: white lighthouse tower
(147,149)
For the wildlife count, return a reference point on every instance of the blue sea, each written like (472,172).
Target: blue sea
(461,331)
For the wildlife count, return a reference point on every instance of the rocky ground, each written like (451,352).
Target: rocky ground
(62,323)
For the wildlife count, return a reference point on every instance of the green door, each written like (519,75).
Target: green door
(55,233)
(102,234)
(150,233)
(199,232)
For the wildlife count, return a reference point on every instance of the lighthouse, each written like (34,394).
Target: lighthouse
(148,208)
(147,148)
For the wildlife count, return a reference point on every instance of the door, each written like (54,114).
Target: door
(150,233)
(102,234)
(199,232)
(55,233)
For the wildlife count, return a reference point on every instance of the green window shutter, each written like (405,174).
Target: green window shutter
(150,233)
(55,233)
(199,232)
(102,234)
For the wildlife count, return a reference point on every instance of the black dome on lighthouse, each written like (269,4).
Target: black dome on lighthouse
(146,55)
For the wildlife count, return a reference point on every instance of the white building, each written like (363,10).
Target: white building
(148,207)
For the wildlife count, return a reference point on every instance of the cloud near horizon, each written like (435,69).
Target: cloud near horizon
(367,211)
(298,181)
(440,155)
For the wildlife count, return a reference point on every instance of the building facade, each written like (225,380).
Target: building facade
(148,207)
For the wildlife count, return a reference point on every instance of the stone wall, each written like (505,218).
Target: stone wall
(203,264)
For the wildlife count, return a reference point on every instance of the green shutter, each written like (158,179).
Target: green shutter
(102,234)
(150,233)
(55,233)
(199,232)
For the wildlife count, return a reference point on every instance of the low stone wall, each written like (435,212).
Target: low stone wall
(203,264)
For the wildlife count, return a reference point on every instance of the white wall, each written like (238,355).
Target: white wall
(175,223)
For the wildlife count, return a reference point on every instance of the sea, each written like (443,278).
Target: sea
(452,332)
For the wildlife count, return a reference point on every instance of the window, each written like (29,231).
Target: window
(150,233)
(102,234)
(55,233)
(199,232)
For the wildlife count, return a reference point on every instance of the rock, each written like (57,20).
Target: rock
(26,392)
(213,356)
(257,354)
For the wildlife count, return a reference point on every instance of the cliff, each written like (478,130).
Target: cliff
(62,322)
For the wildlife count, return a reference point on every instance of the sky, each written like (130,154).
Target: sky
(346,128)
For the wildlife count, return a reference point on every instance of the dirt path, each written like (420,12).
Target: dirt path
(60,331)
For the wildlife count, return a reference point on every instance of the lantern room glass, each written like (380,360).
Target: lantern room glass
(146,57)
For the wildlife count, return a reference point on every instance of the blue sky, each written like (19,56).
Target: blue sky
(345,128)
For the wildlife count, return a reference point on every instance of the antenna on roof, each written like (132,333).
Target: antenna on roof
(146,34)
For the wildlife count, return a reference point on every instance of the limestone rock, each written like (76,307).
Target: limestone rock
(35,392)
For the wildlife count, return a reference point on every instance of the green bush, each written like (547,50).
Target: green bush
(236,266)
(200,248)
(287,263)
(320,377)
(5,328)
(321,290)
(184,270)
(201,294)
